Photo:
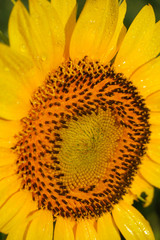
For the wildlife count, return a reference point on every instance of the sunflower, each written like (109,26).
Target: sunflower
(80,121)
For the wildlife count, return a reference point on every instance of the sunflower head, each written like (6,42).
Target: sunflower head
(78,120)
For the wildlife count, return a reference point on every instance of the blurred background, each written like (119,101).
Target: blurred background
(151,213)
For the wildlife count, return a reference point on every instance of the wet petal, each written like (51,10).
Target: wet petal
(48,34)
(131,223)
(94,29)
(146,78)
(13,104)
(66,233)
(41,227)
(118,36)
(67,11)
(86,231)
(135,49)
(107,229)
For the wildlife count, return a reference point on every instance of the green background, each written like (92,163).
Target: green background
(151,213)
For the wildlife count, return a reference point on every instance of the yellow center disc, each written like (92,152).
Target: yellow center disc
(88,145)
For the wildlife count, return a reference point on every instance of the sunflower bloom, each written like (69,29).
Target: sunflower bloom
(79,121)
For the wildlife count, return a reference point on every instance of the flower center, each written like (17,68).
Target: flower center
(87,147)
(83,140)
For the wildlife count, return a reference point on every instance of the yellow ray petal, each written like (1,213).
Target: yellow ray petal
(67,232)
(94,29)
(9,128)
(48,34)
(8,186)
(131,223)
(64,9)
(135,49)
(40,36)
(106,228)
(18,233)
(20,217)
(146,78)
(153,101)
(155,132)
(41,227)
(155,118)
(140,186)
(19,31)
(121,36)
(8,170)
(13,104)
(7,131)
(7,157)
(86,231)
(118,36)
(153,151)
(67,11)
(11,207)
(7,142)
(151,171)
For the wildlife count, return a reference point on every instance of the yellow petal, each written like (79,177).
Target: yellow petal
(21,216)
(121,36)
(118,36)
(153,101)
(155,132)
(7,142)
(140,186)
(8,186)
(146,78)
(155,118)
(153,151)
(67,11)
(94,29)
(7,157)
(135,49)
(48,34)
(11,207)
(64,9)
(67,232)
(7,131)
(39,36)
(41,227)
(131,223)
(8,170)
(106,228)
(151,172)
(18,233)
(86,231)
(13,104)
(19,31)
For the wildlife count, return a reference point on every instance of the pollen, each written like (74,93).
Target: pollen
(83,140)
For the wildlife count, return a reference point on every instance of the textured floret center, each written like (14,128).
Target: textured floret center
(82,140)
(88,145)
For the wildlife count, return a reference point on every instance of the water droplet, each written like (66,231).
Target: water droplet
(43,58)
(23,48)
(92,21)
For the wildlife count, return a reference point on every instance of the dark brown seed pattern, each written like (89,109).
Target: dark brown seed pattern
(73,91)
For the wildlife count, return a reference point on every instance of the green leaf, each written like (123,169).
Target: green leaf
(4,38)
